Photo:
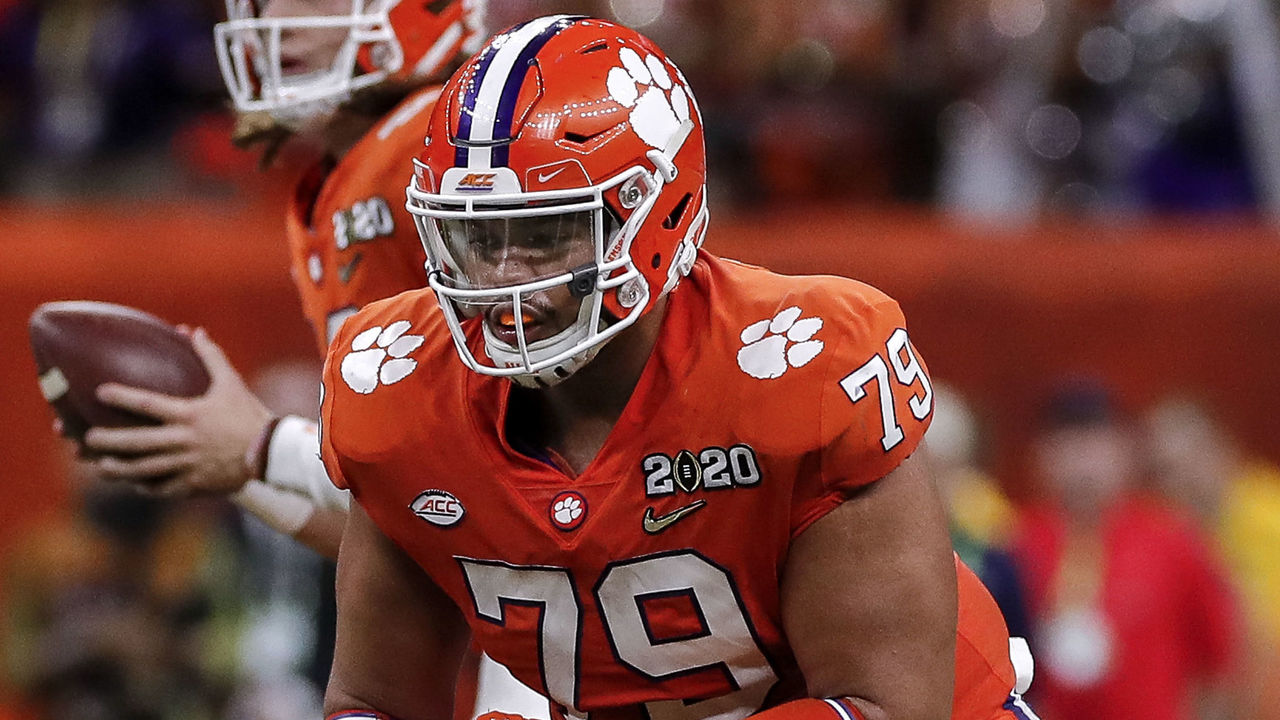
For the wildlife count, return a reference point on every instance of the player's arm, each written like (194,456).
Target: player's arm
(289,489)
(869,591)
(869,600)
(400,639)
(224,442)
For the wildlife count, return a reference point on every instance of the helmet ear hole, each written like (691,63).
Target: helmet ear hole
(657,261)
(672,220)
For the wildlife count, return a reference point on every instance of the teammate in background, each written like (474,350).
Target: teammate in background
(345,78)
(350,78)
(658,484)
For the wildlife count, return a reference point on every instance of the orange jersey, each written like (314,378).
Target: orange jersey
(350,239)
(652,578)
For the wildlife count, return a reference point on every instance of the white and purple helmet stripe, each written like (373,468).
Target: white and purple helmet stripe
(489,106)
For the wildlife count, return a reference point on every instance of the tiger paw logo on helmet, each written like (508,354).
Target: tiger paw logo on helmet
(659,104)
(772,346)
(367,365)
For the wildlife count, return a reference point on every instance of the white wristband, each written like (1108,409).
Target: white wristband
(294,464)
(281,510)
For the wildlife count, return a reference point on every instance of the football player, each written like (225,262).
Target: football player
(349,78)
(357,78)
(659,484)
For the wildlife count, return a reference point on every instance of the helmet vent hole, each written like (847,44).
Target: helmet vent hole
(657,261)
(560,372)
(581,139)
(602,45)
(435,7)
(677,213)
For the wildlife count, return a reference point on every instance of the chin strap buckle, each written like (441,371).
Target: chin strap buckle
(688,253)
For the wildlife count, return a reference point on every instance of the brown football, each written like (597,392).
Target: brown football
(80,345)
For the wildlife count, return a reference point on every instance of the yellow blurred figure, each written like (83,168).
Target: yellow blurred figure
(978,507)
(980,514)
(1249,531)
(1197,465)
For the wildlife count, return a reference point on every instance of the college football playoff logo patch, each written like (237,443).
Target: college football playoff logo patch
(712,468)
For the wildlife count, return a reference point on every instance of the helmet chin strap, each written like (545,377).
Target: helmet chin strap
(506,355)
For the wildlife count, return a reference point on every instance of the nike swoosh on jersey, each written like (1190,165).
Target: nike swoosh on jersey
(654,525)
(346,271)
(543,178)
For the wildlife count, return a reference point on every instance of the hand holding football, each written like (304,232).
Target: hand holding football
(80,345)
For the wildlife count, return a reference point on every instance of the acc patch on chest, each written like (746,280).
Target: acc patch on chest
(712,468)
(438,507)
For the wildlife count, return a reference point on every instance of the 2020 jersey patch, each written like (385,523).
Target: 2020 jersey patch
(712,468)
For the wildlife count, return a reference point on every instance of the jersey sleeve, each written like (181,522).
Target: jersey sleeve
(330,388)
(876,403)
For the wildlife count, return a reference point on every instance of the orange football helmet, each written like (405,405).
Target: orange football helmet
(575,144)
(385,39)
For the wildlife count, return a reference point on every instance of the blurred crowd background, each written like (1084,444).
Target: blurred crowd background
(998,107)
(1062,170)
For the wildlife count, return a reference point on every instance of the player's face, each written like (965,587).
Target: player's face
(505,252)
(308,50)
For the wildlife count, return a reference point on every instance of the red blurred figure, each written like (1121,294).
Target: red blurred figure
(1134,616)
